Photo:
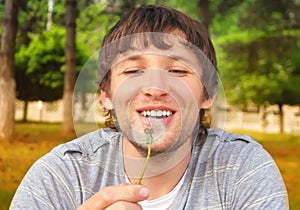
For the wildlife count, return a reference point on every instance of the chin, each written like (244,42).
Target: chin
(160,146)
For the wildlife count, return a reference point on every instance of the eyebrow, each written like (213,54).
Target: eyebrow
(134,58)
(173,57)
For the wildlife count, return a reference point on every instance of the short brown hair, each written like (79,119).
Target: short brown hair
(155,18)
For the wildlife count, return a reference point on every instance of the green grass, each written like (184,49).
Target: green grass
(32,140)
(5,198)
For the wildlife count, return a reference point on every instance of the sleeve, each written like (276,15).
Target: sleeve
(45,186)
(259,184)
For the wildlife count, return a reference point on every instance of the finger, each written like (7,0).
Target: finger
(110,195)
(124,206)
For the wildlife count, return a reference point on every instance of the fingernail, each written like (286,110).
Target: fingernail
(144,192)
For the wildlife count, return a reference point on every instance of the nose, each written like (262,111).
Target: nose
(154,93)
(155,85)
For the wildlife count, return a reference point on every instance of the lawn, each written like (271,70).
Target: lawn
(32,140)
(35,139)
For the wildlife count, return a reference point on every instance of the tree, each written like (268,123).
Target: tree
(39,68)
(70,72)
(257,51)
(7,82)
(40,55)
(204,12)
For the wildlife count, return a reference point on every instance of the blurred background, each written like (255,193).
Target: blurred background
(45,44)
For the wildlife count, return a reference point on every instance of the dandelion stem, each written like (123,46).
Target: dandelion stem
(148,132)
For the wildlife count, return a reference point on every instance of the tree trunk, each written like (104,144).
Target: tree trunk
(264,117)
(7,81)
(50,13)
(204,12)
(70,73)
(281,121)
(25,111)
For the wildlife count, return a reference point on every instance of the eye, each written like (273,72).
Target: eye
(133,72)
(179,72)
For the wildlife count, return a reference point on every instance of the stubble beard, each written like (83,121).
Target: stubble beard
(170,141)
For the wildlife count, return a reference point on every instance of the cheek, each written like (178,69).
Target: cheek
(116,81)
(124,92)
(114,85)
(197,90)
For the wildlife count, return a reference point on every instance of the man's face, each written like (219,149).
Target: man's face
(159,90)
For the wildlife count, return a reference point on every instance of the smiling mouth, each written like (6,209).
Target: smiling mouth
(160,114)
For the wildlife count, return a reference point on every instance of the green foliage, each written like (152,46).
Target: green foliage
(32,18)
(250,85)
(258,46)
(59,11)
(40,55)
(92,24)
(188,7)
(40,66)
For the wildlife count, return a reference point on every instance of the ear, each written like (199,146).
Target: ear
(208,102)
(106,99)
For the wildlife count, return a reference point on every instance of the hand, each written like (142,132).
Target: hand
(124,196)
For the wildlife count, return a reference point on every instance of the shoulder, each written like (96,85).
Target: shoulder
(74,157)
(88,144)
(233,144)
(240,156)
(222,145)
(245,170)
(229,137)
(55,180)
(239,150)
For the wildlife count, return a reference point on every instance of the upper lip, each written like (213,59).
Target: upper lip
(149,108)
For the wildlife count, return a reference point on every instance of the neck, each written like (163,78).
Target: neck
(164,171)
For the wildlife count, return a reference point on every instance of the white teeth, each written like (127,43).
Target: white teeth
(144,113)
(153,113)
(159,113)
(156,113)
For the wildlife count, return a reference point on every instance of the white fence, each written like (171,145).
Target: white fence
(271,123)
(53,112)
(40,111)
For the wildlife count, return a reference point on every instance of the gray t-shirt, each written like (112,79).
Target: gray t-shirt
(227,171)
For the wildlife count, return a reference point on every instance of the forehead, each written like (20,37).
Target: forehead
(176,53)
(171,45)
(145,58)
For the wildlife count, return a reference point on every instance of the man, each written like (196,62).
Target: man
(157,76)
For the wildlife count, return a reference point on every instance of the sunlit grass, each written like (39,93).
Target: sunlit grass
(35,139)
(31,141)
